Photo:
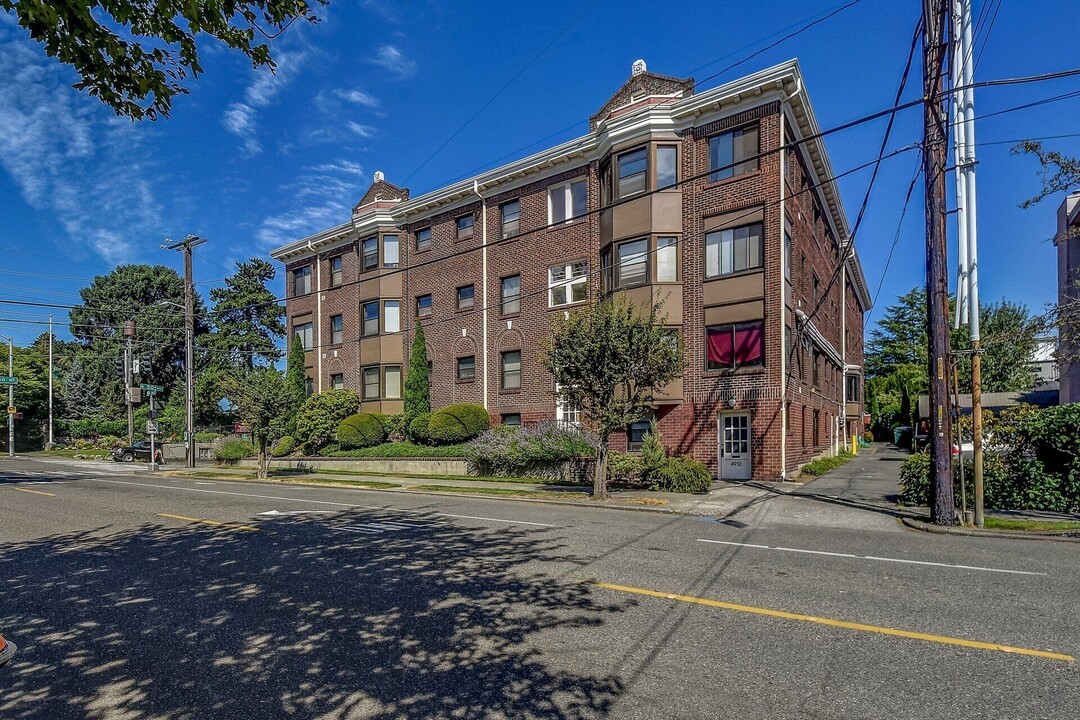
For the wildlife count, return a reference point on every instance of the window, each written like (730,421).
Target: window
(423,305)
(370,250)
(464,227)
(735,345)
(466,368)
(392,316)
(337,330)
(567,201)
(301,281)
(666,173)
(787,255)
(371,383)
(667,259)
(511,370)
(733,250)
(632,171)
(337,268)
(306,333)
(370,318)
(511,419)
(733,153)
(635,435)
(630,267)
(337,381)
(466,295)
(391,250)
(423,239)
(511,295)
(309,387)
(568,283)
(817,431)
(392,384)
(817,370)
(566,413)
(511,218)
(852,388)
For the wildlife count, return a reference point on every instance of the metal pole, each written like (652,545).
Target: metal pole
(11,397)
(153,437)
(50,382)
(935,122)
(127,382)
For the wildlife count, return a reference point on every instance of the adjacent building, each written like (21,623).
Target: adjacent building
(1067,241)
(720,205)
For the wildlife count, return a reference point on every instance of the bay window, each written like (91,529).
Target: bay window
(392,316)
(391,250)
(392,383)
(632,171)
(667,259)
(370,252)
(369,314)
(734,345)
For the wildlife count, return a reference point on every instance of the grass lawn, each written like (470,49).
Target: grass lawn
(71,453)
(374,484)
(819,467)
(1011,524)
(500,491)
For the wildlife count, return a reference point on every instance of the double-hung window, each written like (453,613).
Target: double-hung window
(392,382)
(567,201)
(391,316)
(466,297)
(391,250)
(464,227)
(735,345)
(733,250)
(369,313)
(633,170)
(666,169)
(626,265)
(566,413)
(733,153)
(635,435)
(511,295)
(337,329)
(511,370)
(302,280)
(667,259)
(337,381)
(511,218)
(370,252)
(337,271)
(370,376)
(306,333)
(466,368)
(423,239)
(423,305)
(568,283)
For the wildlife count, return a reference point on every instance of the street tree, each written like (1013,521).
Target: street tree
(248,321)
(417,384)
(263,403)
(134,56)
(608,358)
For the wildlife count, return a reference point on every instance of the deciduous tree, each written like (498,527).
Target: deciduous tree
(263,402)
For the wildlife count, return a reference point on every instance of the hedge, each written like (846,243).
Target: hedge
(458,423)
(362,430)
(402,450)
(233,450)
(284,446)
(320,415)
(418,428)
(537,451)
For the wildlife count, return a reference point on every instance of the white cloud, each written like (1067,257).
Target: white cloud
(240,118)
(359,97)
(70,157)
(394,61)
(387,11)
(364,131)
(324,195)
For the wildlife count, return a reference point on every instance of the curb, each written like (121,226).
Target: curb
(1069,536)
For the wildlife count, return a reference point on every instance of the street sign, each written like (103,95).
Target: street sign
(12,410)
(150,389)
(8,380)
(151,427)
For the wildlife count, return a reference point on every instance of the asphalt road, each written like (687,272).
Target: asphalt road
(139,596)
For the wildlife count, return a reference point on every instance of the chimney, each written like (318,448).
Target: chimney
(637,68)
(379,177)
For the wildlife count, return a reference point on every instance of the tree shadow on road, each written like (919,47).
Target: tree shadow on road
(301,618)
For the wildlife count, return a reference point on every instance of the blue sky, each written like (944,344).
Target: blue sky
(251,160)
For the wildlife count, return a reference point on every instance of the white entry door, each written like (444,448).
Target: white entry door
(734,436)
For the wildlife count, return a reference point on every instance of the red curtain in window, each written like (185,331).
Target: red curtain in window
(749,343)
(721,350)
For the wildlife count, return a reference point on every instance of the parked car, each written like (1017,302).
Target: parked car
(7,651)
(139,450)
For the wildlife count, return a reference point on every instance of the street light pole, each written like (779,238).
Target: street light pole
(11,395)
(185,246)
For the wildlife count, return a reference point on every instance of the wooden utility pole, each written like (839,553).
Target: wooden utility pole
(936,14)
(185,246)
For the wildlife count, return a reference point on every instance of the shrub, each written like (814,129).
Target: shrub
(402,450)
(91,428)
(825,464)
(231,451)
(624,468)
(1002,488)
(418,429)
(458,423)
(539,451)
(284,446)
(397,428)
(205,437)
(681,473)
(362,430)
(653,455)
(320,415)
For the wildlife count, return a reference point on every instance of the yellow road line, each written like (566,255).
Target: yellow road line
(838,623)
(36,492)
(230,526)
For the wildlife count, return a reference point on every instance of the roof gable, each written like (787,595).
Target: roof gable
(642,84)
(382,191)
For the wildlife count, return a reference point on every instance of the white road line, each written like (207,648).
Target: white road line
(353,528)
(317,502)
(872,557)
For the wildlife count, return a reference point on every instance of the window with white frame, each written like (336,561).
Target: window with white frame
(568,283)
(392,316)
(566,413)
(567,201)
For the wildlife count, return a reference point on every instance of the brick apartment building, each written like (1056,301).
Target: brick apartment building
(707,203)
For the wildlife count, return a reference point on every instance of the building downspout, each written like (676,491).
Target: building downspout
(843,344)
(784,419)
(484,298)
(318,319)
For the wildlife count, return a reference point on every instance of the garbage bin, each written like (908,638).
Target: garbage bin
(902,436)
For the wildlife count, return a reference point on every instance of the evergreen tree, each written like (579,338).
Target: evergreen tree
(247,318)
(295,378)
(417,387)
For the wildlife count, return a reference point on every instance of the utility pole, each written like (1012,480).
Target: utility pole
(129,339)
(185,246)
(11,398)
(50,383)
(936,16)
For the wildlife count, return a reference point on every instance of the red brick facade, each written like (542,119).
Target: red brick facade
(811,311)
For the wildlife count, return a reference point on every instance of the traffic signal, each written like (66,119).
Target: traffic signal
(144,366)
(120,367)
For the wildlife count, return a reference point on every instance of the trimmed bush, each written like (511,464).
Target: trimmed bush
(362,430)
(402,450)
(458,423)
(397,428)
(539,451)
(284,446)
(683,474)
(624,469)
(205,437)
(418,429)
(232,451)
(90,428)
(319,417)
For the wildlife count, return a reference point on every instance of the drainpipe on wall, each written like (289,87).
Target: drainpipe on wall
(843,346)
(784,419)
(318,319)
(484,298)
